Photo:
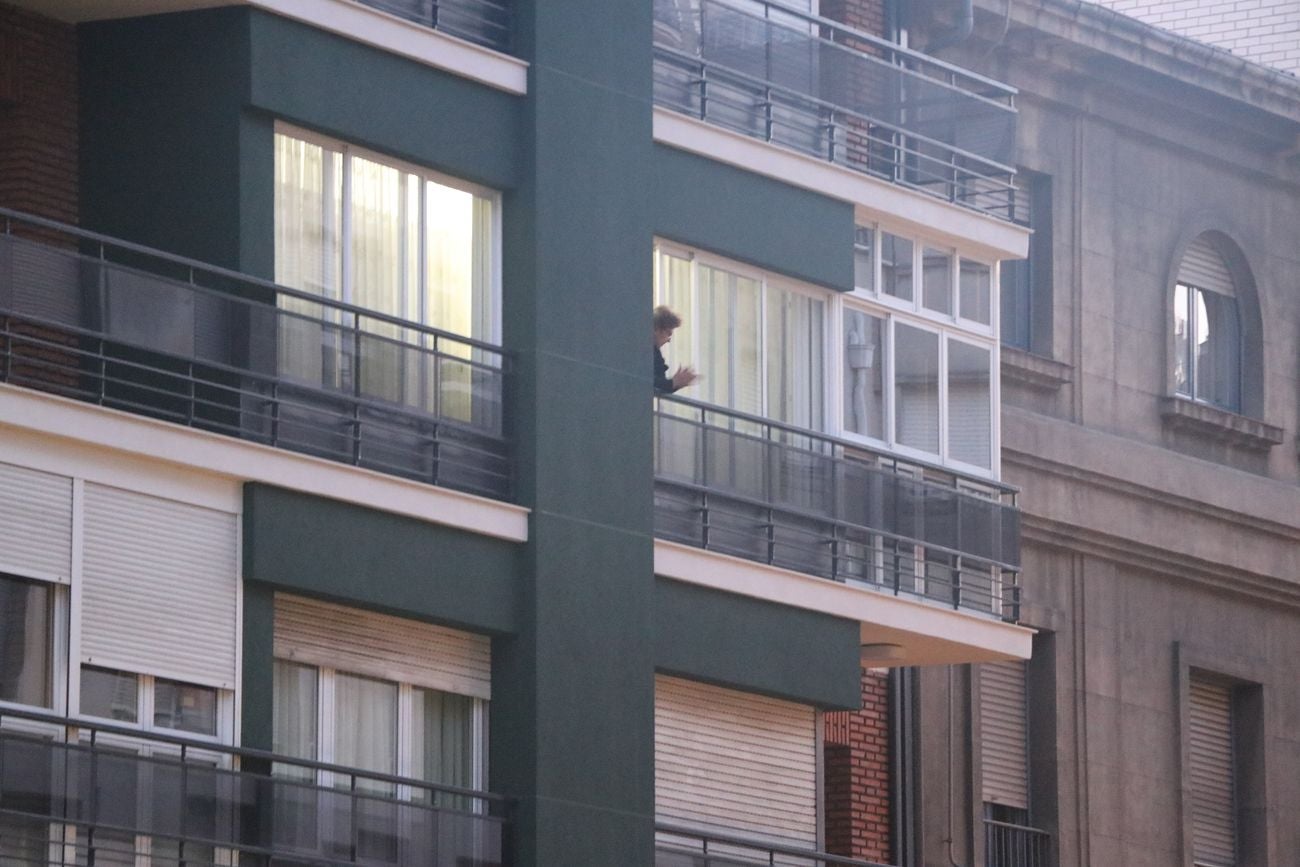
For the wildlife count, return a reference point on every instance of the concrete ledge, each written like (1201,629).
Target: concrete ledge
(917,631)
(1034,371)
(1218,424)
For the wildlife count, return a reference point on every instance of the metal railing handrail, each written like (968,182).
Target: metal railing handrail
(818,102)
(835,442)
(196,265)
(894,48)
(207,746)
(761,845)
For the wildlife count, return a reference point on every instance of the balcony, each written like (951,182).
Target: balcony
(483,22)
(819,88)
(677,846)
(87,794)
(102,320)
(803,501)
(1010,845)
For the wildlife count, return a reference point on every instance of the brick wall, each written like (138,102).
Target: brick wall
(1264,31)
(857,774)
(865,15)
(38,115)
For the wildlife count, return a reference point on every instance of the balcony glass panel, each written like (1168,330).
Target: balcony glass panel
(809,84)
(790,497)
(108,795)
(120,325)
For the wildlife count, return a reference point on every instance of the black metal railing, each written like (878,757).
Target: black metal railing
(483,22)
(78,792)
(124,326)
(811,84)
(794,498)
(1009,845)
(679,846)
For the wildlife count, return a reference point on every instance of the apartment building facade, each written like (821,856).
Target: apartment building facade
(1150,402)
(342,525)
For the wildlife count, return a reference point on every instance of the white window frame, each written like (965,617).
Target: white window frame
(874,302)
(326,679)
(765,279)
(349,150)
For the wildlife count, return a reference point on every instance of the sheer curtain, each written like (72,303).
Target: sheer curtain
(308,225)
(442,738)
(365,724)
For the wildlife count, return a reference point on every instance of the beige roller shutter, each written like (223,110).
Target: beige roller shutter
(1202,266)
(379,645)
(734,761)
(159,588)
(1004,734)
(1209,751)
(35,524)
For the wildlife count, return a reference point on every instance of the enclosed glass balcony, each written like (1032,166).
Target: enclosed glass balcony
(812,85)
(98,319)
(483,22)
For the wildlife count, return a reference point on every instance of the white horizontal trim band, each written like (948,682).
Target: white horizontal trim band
(237,460)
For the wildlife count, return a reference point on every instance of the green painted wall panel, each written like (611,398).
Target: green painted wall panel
(701,202)
(355,555)
(756,646)
(257,683)
(386,102)
(160,103)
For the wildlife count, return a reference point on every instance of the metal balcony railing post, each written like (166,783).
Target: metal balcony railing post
(354,831)
(357,372)
(184,803)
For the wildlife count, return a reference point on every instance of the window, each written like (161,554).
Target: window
(759,341)
(1026,284)
(26,641)
(153,702)
(397,239)
(379,693)
(908,365)
(1207,330)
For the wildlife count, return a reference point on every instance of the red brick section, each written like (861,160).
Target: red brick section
(38,115)
(857,768)
(865,15)
(38,172)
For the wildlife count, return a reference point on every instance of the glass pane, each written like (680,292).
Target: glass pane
(454,284)
(1017,303)
(185,706)
(1182,343)
(896,266)
(26,629)
(110,694)
(365,723)
(975,290)
(916,388)
(294,709)
(442,738)
(794,358)
(937,280)
(1218,350)
(864,384)
(970,404)
(864,271)
(308,256)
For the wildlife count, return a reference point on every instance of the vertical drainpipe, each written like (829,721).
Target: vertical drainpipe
(964,27)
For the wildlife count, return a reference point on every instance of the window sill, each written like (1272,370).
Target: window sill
(1033,371)
(1219,424)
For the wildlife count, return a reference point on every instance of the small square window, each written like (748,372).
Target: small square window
(896,266)
(975,291)
(936,278)
(110,694)
(185,706)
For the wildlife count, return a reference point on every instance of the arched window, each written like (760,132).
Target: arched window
(1207,329)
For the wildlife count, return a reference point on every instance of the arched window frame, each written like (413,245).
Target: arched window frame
(1249,354)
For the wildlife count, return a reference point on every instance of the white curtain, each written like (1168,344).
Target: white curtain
(365,723)
(294,709)
(442,738)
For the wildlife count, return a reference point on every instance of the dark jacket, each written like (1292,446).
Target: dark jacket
(663,383)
